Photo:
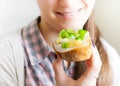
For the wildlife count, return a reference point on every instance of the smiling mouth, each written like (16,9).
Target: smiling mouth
(69,14)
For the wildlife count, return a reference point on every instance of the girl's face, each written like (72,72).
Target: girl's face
(62,14)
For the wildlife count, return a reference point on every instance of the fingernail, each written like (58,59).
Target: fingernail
(54,55)
(93,43)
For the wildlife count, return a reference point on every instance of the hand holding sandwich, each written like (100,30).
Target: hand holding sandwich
(89,78)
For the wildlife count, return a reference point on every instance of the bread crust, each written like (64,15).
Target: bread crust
(79,54)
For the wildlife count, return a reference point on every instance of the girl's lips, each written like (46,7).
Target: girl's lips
(68,15)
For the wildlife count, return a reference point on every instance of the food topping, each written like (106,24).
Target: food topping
(69,38)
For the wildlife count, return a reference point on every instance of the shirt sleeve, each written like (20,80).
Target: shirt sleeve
(8,75)
(114,60)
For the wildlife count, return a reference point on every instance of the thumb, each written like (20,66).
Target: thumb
(58,67)
(60,75)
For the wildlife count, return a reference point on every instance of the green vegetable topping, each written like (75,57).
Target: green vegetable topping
(71,34)
(65,45)
(81,33)
(67,33)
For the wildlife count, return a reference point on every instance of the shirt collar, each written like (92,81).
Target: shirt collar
(35,45)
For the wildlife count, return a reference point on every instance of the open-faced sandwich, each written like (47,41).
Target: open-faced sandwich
(73,45)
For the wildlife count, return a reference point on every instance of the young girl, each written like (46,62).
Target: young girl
(27,57)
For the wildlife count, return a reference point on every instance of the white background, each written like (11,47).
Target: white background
(15,14)
(107,16)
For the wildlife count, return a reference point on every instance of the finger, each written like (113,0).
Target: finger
(93,69)
(94,62)
(93,65)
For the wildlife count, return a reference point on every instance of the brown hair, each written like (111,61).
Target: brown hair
(105,76)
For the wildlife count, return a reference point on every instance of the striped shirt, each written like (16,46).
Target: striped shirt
(39,56)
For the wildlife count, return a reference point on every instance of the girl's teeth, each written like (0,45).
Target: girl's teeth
(69,14)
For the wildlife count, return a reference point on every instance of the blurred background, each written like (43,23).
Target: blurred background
(15,14)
